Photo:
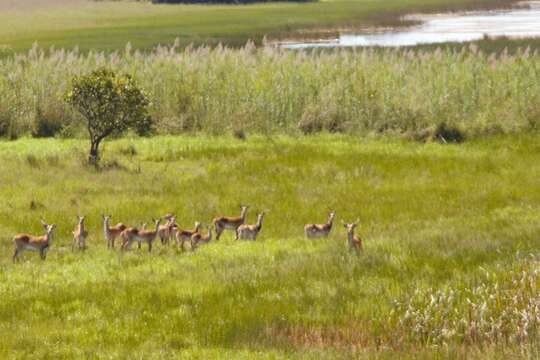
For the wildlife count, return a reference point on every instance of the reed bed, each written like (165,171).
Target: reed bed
(273,91)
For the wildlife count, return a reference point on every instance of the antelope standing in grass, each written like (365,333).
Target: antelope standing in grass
(320,230)
(165,231)
(79,235)
(24,242)
(141,236)
(354,241)
(198,238)
(250,232)
(230,223)
(111,233)
(185,235)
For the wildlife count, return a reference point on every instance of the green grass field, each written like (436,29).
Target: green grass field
(451,259)
(110,25)
(450,265)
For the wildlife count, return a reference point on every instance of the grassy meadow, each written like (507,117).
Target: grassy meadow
(109,25)
(450,266)
(435,150)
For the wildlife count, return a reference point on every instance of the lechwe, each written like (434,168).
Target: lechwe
(111,233)
(79,235)
(320,230)
(24,242)
(230,223)
(199,238)
(354,241)
(250,232)
(141,236)
(185,235)
(165,231)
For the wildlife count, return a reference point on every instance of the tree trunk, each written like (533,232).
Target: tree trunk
(93,158)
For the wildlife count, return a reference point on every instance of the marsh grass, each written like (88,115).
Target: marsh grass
(108,25)
(405,93)
(436,220)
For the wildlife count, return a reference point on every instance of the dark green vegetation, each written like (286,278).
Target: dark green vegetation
(212,2)
(110,25)
(441,224)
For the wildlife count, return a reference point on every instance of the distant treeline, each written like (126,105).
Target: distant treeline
(222,1)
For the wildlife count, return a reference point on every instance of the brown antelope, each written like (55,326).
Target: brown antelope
(250,232)
(165,231)
(24,242)
(198,238)
(185,235)
(111,233)
(320,230)
(133,234)
(354,241)
(79,235)
(230,223)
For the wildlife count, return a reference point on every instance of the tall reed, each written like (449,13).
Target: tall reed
(270,90)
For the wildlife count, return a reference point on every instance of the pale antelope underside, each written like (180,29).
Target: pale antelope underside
(25,242)
(319,230)
(230,223)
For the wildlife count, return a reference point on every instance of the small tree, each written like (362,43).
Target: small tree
(111,104)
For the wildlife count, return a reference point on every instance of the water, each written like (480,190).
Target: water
(516,23)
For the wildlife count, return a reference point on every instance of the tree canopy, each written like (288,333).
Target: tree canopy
(111,104)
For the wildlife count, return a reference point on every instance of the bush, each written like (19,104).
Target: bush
(111,104)
(316,119)
(50,119)
(446,133)
(221,1)
(7,124)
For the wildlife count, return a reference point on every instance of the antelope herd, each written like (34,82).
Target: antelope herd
(170,231)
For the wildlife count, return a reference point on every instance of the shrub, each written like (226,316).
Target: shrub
(111,104)
(316,119)
(50,119)
(310,122)
(446,133)
(7,123)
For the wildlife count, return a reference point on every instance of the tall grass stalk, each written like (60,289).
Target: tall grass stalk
(269,90)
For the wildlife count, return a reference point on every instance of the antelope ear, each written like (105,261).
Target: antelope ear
(357,221)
